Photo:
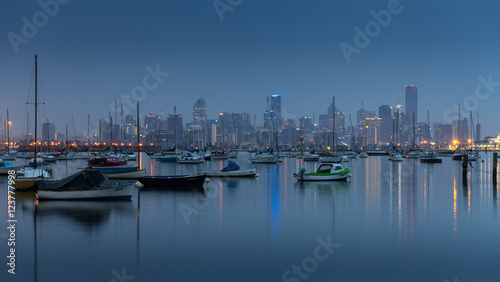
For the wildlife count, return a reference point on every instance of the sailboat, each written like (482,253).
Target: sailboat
(26,177)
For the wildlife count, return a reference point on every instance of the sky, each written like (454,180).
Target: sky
(236,53)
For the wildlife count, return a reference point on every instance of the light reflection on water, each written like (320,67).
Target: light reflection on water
(394,222)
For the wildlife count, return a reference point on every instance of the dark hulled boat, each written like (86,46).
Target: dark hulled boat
(174,181)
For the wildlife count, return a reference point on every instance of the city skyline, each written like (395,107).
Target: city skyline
(181,52)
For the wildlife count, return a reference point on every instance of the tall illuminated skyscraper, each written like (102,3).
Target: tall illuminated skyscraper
(411,103)
(199,111)
(276,110)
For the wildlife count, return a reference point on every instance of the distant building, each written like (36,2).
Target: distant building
(151,123)
(305,124)
(174,126)
(199,112)
(461,131)
(411,104)
(442,134)
(289,135)
(385,131)
(276,109)
(48,132)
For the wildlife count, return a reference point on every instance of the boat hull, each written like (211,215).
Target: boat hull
(431,161)
(323,177)
(264,160)
(134,174)
(115,169)
(236,173)
(174,181)
(115,192)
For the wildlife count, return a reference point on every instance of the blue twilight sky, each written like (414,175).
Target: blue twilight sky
(91,53)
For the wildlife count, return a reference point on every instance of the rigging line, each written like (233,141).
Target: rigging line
(479,169)
(41,94)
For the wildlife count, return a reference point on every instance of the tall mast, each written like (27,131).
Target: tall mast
(8,136)
(36,106)
(268,125)
(428,130)
(66,142)
(459,128)
(333,125)
(88,130)
(138,138)
(175,127)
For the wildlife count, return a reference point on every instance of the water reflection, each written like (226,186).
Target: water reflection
(88,214)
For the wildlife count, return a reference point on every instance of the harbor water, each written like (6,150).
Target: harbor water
(391,221)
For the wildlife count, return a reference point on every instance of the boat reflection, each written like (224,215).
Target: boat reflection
(323,186)
(89,214)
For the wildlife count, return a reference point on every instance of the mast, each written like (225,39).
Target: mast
(413,132)
(111,130)
(36,106)
(353,137)
(472,130)
(138,138)
(175,127)
(88,130)
(268,126)
(333,125)
(66,143)
(428,130)
(459,128)
(8,133)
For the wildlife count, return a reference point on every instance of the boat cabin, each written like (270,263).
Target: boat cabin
(329,168)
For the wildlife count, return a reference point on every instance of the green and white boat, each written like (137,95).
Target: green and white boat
(325,172)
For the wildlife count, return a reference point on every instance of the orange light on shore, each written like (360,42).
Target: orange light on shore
(455,142)
(469,140)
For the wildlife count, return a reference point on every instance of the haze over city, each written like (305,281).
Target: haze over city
(234,55)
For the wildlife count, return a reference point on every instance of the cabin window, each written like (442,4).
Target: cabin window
(324,169)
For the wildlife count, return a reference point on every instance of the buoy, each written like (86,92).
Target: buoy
(482,161)
(207,180)
(138,185)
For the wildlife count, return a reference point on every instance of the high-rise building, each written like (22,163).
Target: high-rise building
(305,123)
(461,131)
(276,103)
(385,132)
(174,126)
(151,123)
(48,131)
(411,104)
(442,134)
(199,111)
(276,110)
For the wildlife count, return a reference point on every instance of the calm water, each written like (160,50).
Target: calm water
(391,222)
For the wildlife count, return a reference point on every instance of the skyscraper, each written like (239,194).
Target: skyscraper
(199,111)
(385,114)
(411,104)
(276,110)
(276,103)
